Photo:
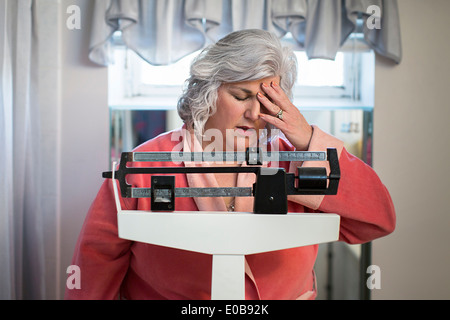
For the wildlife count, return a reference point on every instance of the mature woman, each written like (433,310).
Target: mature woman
(238,88)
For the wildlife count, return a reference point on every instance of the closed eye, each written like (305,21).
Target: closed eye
(240,98)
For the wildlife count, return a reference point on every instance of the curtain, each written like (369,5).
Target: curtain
(163,31)
(21,229)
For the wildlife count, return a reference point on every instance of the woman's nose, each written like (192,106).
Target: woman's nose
(253,110)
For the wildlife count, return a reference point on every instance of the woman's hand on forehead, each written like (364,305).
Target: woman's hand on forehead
(284,115)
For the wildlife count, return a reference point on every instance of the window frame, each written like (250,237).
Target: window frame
(135,94)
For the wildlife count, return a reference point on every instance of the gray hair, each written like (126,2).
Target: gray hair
(244,55)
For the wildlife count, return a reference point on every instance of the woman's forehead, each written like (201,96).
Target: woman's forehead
(248,85)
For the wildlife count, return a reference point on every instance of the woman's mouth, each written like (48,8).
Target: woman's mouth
(245,130)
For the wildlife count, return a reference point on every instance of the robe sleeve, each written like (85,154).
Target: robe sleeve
(363,202)
(103,258)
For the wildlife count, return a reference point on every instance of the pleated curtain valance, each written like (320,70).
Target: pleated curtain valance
(164,31)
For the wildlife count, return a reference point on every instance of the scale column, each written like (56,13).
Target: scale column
(228,277)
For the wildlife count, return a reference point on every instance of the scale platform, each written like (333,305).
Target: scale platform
(228,237)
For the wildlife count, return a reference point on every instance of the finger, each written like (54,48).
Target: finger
(276,94)
(272,120)
(271,107)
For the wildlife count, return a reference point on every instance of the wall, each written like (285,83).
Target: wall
(411,152)
(75,126)
(85,130)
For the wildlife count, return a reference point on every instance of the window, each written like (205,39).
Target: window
(140,91)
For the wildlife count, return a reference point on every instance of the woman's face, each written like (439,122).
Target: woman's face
(237,116)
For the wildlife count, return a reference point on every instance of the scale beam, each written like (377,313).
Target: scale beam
(251,156)
(271,189)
